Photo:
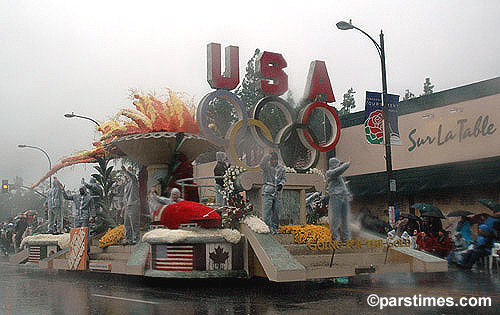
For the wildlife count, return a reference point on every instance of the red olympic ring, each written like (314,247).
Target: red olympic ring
(332,117)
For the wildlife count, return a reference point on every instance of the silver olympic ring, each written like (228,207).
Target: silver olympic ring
(201,114)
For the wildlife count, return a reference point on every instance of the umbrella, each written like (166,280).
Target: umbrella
(491,204)
(421,206)
(409,216)
(427,210)
(459,213)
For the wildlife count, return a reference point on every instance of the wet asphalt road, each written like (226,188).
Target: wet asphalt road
(27,290)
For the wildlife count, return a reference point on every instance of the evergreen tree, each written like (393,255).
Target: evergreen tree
(408,95)
(348,103)
(290,99)
(249,91)
(428,87)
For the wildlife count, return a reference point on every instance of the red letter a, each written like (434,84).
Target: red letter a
(318,82)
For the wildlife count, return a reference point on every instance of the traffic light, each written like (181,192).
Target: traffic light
(5,186)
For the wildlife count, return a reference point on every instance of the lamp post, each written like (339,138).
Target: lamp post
(22,146)
(72,115)
(342,25)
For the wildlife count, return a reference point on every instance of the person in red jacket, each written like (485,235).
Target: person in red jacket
(425,241)
(442,246)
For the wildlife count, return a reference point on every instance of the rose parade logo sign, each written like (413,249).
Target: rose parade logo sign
(273,83)
(374,118)
(374,127)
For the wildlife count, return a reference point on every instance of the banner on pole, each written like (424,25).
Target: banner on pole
(374,119)
(393,104)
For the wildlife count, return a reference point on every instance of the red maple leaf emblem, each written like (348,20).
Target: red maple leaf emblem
(219,256)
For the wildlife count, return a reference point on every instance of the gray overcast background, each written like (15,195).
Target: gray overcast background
(84,56)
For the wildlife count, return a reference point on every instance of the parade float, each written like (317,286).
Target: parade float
(191,240)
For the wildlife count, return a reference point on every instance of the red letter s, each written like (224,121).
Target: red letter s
(270,67)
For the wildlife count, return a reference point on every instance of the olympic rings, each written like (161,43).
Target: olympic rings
(332,117)
(233,130)
(285,133)
(201,114)
(283,106)
(263,136)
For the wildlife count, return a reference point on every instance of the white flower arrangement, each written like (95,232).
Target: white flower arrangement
(237,208)
(62,239)
(229,180)
(289,169)
(256,224)
(189,234)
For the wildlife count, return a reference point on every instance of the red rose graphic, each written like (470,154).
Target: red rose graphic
(376,123)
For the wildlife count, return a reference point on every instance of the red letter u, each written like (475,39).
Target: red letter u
(231,77)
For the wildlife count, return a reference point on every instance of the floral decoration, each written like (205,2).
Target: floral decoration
(232,216)
(237,208)
(308,234)
(112,236)
(318,209)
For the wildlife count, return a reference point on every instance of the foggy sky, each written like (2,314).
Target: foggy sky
(63,56)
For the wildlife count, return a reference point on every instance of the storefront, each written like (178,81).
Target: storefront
(449,157)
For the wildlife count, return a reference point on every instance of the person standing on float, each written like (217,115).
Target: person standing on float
(274,181)
(220,170)
(131,207)
(54,204)
(338,206)
(83,208)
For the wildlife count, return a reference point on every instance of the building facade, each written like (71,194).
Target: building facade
(449,157)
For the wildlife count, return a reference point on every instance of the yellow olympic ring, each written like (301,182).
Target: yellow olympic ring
(232,137)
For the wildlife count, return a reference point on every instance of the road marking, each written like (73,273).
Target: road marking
(124,299)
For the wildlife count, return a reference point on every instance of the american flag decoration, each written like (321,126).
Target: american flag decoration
(173,257)
(34,254)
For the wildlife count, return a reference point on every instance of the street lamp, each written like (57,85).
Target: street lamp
(72,115)
(22,146)
(342,25)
